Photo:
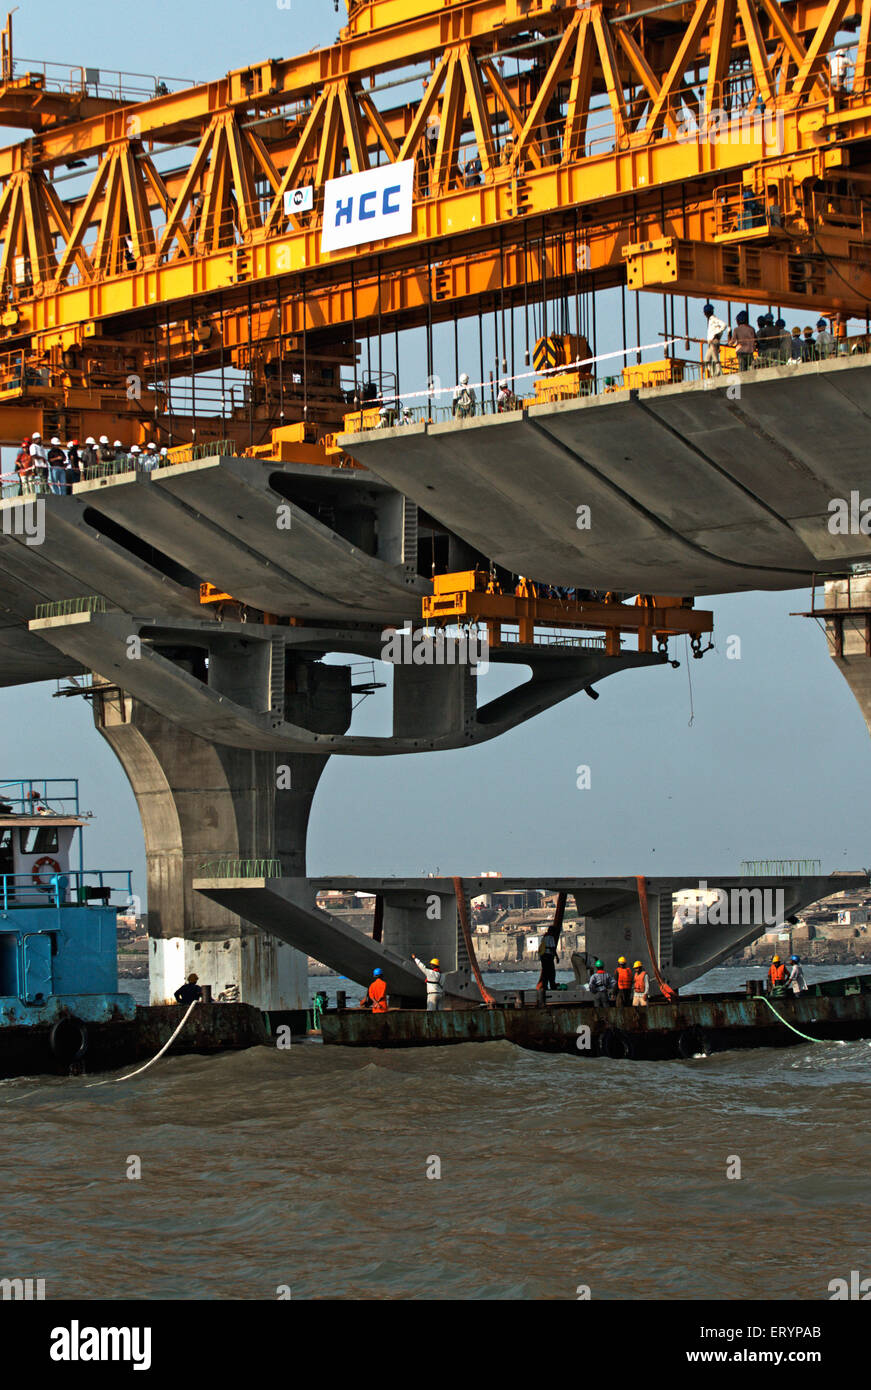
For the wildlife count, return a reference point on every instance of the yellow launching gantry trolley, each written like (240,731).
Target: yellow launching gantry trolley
(541,618)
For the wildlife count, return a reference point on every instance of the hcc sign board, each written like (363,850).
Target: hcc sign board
(370,206)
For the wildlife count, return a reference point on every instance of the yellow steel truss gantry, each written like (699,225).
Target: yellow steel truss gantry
(711,147)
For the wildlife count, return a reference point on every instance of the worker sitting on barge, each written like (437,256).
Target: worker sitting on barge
(187,993)
(435,990)
(601,986)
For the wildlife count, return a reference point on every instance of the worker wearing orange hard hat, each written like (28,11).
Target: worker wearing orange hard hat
(435,990)
(640,986)
(776,974)
(623,980)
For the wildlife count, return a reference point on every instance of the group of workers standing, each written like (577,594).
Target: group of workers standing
(55,467)
(771,343)
(628,987)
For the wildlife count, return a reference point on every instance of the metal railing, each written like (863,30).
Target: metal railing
(64,608)
(69,888)
(25,793)
(780,868)
(242,868)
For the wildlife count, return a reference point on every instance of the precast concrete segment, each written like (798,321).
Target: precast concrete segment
(135,501)
(281,907)
(222,518)
(74,560)
(101,642)
(612,911)
(512,487)
(693,488)
(25,658)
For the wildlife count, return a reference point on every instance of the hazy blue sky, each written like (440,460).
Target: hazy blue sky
(775,763)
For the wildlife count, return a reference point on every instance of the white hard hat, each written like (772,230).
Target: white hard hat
(90,439)
(151,444)
(55,440)
(36,435)
(104,439)
(164,453)
(135,449)
(464,379)
(117,444)
(503,386)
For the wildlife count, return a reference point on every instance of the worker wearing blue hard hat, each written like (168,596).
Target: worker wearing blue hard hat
(376,994)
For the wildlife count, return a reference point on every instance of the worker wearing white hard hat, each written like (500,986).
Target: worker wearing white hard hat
(464,398)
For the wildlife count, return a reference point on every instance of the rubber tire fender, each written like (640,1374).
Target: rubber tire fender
(693,1041)
(68,1040)
(614,1044)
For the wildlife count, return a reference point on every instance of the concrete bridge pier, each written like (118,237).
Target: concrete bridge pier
(202,802)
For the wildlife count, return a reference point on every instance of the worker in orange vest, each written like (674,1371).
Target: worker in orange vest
(640,986)
(776,974)
(376,995)
(623,978)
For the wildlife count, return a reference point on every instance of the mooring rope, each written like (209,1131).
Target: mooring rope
(155,1058)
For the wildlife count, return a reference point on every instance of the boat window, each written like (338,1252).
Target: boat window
(39,839)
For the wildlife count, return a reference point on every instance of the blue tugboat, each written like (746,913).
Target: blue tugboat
(60,1009)
(58,927)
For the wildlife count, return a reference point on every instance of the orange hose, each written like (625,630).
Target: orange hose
(667,990)
(467,937)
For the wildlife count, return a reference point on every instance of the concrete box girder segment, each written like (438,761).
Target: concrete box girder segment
(693,488)
(434,706)
(74,560)
(611,908)
(223,518)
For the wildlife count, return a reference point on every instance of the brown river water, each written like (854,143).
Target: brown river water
(308,1168)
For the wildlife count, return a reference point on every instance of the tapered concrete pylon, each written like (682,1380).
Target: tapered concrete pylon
(200,803)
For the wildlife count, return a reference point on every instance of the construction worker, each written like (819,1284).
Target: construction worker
(435,990)
(601,985)
(465,399)
(640,986)
(623,980)
(186,994)
(376,994)
(776,974)
(795,980)
(548,958)
(715,330)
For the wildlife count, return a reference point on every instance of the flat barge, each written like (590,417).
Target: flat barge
(832,1010)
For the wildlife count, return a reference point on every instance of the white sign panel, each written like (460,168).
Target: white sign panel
(299,200)
(371,206)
